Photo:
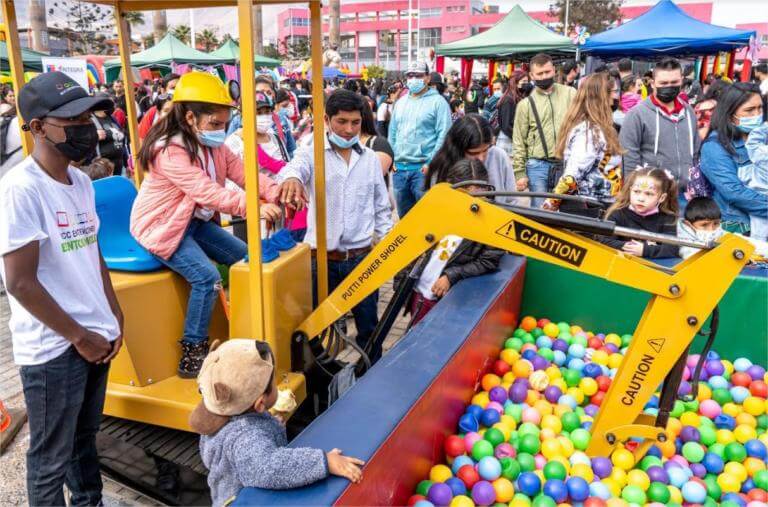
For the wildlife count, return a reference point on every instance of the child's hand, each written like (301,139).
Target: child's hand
(633,247)
(344,466)
(441,286)
(270,212)
(521,184)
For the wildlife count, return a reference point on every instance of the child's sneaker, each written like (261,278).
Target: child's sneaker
(192,357)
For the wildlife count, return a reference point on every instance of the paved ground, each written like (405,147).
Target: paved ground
(13,463)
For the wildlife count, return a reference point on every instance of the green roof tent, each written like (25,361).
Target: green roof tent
(32,59)
(230,52)
(168,50)
(516,35)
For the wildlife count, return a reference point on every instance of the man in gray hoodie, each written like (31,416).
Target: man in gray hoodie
(661,130)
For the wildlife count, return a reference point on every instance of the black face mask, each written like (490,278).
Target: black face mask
(525,88)
(667,94)
(80,143)
(545,84)
(614,104)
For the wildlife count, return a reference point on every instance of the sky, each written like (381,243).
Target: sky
(725,12)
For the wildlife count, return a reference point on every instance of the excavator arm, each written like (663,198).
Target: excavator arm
(682,298)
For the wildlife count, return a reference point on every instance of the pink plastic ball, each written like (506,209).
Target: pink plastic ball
(687,373)
(692,360)
(531,415)
(470,439)
(495,405)
(540,461)
(504,450)
(710,409)
(680,460)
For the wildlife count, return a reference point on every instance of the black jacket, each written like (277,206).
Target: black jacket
(659,222)
(471,259)
(507,109)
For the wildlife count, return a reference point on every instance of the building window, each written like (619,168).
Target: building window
(366,16)
(433,12)
(429,37)
(346,18)
(296,22)
(387,15)
(455,29)
(456,8)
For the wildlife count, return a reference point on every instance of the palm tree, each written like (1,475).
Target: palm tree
(335,23)
(181,32)
(208,39)
(258,42)
(159,25)
(133,19)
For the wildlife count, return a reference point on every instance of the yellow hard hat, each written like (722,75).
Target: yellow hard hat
(202,87)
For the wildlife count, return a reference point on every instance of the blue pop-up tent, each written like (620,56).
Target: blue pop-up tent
(665,30)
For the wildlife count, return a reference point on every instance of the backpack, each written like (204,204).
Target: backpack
(5,123)
(698,184)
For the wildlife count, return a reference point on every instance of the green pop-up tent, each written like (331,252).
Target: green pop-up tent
(230,52)
(516,35)
(168,50)
(32,59)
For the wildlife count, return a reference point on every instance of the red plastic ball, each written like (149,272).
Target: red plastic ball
(606,350)
(631,445)
(594,343)
(758,495)
(597,398)
(543,322)
(454,446)
(740,378)
(500,367)
(594,501)
(415,498)
(603,382)
(468,475)
(759,388)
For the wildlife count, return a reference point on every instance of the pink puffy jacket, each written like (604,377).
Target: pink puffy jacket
(174,187)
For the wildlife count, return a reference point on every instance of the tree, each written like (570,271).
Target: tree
(87,24)
(148,40)
(595,15)
(271,51)
(227,37)
(334,25)
(376,71)
(299,50)
(133,19)
(209,39)
(159,25)
(182,32)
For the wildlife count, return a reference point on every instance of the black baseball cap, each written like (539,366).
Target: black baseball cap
(56,95)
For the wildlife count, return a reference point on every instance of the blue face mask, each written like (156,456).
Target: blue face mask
(497,94)
(415,84)
(212,138)
(341,142)
(749,123)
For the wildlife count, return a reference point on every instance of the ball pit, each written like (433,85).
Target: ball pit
(521,441)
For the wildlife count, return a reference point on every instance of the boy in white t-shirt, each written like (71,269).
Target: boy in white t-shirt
(66,323)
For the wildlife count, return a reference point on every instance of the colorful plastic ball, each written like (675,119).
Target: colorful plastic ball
(728,483)
(623,459)
(529,483)
(460,461)
(468,475)
(440,473)
(413,499)
(694,492)
(529,444)
(489,468)
(440,494)
(713,463)
(457,486)
(602,466)
(504,489)
(468,422)
(734,451)
(556,489)
(528,323)
(454,446)
(461,501)
(594,501)
(504,450)
(422,488)
(423,503)
(551,329)
(658,492)
(555,470)
(693,452)
(633,494)
(580,438)
(483,493)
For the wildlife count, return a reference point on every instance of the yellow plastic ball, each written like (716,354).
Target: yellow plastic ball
(540,475)
(588,386)
(552,422)
(509,377)
(504,490)
(690,419)
(532,397)
(742,433)
(544,407)
(614,360)
(620,476)
(584,471)
(612,486)
(546,434)
(754,406)
(705,393)
(518,502)
(737,470)
(613,339)
(559,410)
(551,329)
(576,329)
(732,409)
(674,426)
(504,429)
(440,473)
(746,419)
(638,478)
(567,446)
(600,357)
(480,399)
(553,372)
(489,381)
(509,356)
(560,384)
(538,380)
(728,483)
(754,465)
(509,421)
(616,502)
(577,394)
(724,436)
(462,501)
(550,448)
(675,495)
(522,368)
(727,366)
(623,459)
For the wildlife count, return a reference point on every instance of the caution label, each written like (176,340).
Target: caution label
(656,344)
(544,242)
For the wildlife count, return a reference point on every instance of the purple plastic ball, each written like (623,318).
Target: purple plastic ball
(613,348)
(552,393)
(560,345)
(518,392)
(657,474)
(698,470)
(440,494)
(689,434)
(602,467)
(539,363)
(591,410)
(483,493)
(756,371)
(714,367)
(498,394)
(684,389)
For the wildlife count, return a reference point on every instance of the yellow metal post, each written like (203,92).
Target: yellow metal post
(124,42)
(251,166)
(318,113)
(15,63)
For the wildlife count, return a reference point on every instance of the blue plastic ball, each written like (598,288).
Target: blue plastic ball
(529,484)
(694,492)
(713,463)
(475,410)
(576,364)
(568,400)
(576,350)
(423,503)
(591,370)
(748,485)
(460,461)
(528,354)
(599,490)
(742,364)
(725,422)
(559,357)
(468,423)
(733,497)
(677,476)
(717,382)
(739,394)
(544,342)
(556,490)
(756,449)
(457,486)
(578,489)
(489,468)
(489,417)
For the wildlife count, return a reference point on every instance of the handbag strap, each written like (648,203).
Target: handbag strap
(538,126)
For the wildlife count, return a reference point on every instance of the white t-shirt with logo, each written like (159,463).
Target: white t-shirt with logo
(436,265)
(62,218)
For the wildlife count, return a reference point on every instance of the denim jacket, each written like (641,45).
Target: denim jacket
(721,168)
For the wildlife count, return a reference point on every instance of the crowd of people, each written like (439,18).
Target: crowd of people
(655,152)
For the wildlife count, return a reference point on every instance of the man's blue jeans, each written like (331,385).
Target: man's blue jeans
(365,312)
(537,171)
(409,187)
(203,241)
(65,399)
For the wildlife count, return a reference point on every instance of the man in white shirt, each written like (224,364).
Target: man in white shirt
(357,204)
(66,323)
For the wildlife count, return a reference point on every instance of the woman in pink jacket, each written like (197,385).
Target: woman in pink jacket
(175,215)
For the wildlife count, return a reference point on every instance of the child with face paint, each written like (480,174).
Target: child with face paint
(175,215)
(647,202)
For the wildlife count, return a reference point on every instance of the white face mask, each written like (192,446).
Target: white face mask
(709,236)
(291,111)
(264,123)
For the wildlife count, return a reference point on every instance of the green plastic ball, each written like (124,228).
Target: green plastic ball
(564,327)
(527,462)
(718,449)
(722,396)
(648,462)
(625,339)
(734,451)
(510,468)
(529,338)
(494,436)
(761,479)
(570,421)
(713,489)
(423,487)
(691,406)
(572,377)
(709,502)
(521,499)
(694,452)
(528,443)
(546,353)
(513,343)
(658,492)
(543,500)
(580,438)
(677,409)
(762,421)
(482,449)
(555,470)
(633,494)
(581,340)
(708,435)
(519,333)
(536,332)
(514,410)
(528,429)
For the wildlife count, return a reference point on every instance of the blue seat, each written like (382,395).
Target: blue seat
(114,199)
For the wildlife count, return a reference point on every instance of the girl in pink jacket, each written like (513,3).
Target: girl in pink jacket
(175,215)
